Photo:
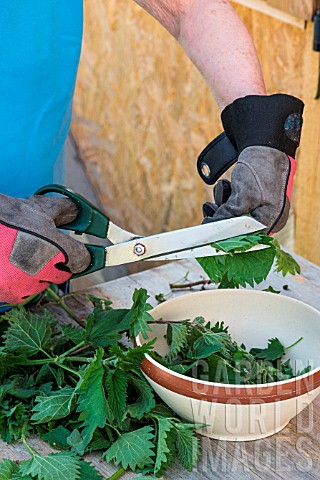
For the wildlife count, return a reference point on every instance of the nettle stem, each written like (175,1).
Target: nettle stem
(118,474)
(73,350)
(173,286)
(62,304)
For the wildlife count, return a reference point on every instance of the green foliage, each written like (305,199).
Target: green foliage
(58,466)
(92,403)
(134,449)
(165,454)
(138,316)
(232,271)
(81,390)
(188,446)
(210,354)
(104,326)
(205,345)
(12,418)
(27,334)
(116,385)
(53,406)
(274,350)
(143,396)
(285,263)
(240,268)
(176,338)
(57,438)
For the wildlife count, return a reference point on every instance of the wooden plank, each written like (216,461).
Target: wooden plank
(302,8)
(308,198)
(271,9)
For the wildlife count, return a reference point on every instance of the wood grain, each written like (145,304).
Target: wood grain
(308,195)
(302,8)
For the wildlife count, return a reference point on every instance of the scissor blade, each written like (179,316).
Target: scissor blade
(181,241)
(197,252)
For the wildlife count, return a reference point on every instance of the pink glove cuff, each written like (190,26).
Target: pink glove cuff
(16,285)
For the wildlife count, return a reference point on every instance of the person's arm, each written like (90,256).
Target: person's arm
(216,41)
(264,130)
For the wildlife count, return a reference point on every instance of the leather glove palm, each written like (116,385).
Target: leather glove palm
(33,252)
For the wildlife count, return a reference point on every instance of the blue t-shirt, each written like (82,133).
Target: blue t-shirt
(40,43)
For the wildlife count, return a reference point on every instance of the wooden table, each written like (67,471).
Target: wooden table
(293,453)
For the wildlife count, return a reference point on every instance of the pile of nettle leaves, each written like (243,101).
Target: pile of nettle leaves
(206,352)
(81,389)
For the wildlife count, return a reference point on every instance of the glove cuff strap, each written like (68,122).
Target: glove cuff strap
(272,121)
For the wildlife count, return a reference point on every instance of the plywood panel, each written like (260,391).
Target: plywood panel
(299,8)
(308,197)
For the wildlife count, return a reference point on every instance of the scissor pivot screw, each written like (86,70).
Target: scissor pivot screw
(139,249)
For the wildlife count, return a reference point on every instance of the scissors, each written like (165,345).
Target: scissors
(127,247)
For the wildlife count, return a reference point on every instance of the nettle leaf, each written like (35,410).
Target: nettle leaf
(145,401)
(9,361)
(104,326)
(54,406)
(134,356)
(239,269)
(74,334)
(12,418)
(188,445)
(176,338)
(27,334)
(23,387)
(134,449)
(88,472)
(164,453)
(274,350)
(240,243)
(75,441)
(138,316)
(57,466)
(7,469)
(116,386)
(99,441)
(92,403)
(57,438)
(285,263)
(207,344)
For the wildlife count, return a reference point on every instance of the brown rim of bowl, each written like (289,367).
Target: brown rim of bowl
(224,393)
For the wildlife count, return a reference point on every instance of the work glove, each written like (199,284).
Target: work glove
(265,131)
(33,252)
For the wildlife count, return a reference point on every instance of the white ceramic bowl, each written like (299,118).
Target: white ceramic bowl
(240,412)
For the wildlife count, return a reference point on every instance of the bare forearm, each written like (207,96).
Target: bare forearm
(216,41)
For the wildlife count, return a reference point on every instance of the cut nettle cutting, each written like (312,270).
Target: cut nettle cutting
(247,268)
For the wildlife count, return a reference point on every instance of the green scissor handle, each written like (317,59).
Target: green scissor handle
(89,220)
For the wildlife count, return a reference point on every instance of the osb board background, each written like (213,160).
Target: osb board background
(300,8)
(142,112)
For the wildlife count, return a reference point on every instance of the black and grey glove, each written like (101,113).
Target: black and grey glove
(265,132)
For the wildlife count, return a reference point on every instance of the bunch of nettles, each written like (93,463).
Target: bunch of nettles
(81,390)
